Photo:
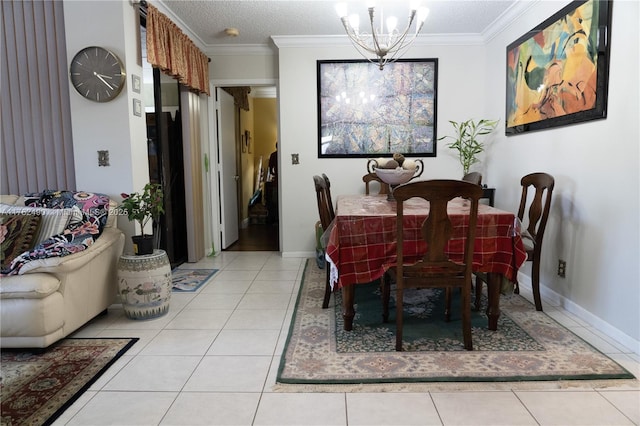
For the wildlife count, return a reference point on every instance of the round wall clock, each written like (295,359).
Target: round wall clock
(97,74)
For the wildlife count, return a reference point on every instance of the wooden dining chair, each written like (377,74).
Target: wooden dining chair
(372,177)
(536,208)
(436,269)
(473,177)
(327,214)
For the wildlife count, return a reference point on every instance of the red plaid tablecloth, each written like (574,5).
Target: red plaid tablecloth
(362,240)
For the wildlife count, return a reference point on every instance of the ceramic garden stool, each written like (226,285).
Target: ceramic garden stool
(144,284)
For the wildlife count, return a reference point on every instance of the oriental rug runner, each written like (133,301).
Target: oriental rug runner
(37,386)
(528,345)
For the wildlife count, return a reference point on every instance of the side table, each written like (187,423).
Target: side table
(144,284)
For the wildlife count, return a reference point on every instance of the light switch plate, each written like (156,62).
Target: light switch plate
(295,159)
(103,158)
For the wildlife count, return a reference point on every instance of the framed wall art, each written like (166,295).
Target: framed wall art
(558,73)
(365,112)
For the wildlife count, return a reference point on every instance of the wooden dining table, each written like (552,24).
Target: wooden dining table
(362,245)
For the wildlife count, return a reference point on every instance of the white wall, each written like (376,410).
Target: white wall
(594,222)
(107,126)
(459,98)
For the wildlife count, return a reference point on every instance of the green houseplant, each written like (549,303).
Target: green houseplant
(466,141)
(141,208)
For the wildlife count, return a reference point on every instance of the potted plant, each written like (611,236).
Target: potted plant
(143,207)
(466,141)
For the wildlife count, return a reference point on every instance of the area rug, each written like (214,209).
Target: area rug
(190,279)
(528,345)
(37,386)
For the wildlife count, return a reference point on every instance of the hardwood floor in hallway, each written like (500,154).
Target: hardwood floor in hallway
(257,237)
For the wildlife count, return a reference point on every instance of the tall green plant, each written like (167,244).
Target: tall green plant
(144,206)
(466,140)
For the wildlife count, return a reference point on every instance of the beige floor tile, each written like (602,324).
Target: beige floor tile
(278,286)
(258,301)
(215,301)
(229,374)
(628,402)
(572,408)
(481,408)
(212,409)
(237,275)
(247,319)
(245,342)
(228,287)
(391,409)
(301,409)
(272,275)
(124,408)
(180,342)
(200,319)
(154,373)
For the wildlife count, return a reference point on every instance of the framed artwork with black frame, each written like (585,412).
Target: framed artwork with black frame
(558,73)
(365,112)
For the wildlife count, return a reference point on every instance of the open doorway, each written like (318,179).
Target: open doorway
(258,222)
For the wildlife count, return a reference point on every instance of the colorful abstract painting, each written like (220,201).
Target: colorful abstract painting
(557,73)
(364,111)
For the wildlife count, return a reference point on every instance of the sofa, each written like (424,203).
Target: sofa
(51,297)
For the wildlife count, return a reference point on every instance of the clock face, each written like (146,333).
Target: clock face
(97,74)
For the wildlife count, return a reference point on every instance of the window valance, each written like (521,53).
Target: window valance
(169,49)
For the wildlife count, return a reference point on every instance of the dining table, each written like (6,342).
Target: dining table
(361,244)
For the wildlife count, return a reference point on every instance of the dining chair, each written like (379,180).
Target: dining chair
(436,269)
(327,214)
(536,208)
(372,177)
(473,177)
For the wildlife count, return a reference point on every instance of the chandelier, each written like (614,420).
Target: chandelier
(387,47)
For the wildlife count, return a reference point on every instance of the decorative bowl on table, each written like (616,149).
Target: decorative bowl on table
(394,176)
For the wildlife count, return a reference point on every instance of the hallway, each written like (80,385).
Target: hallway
(257,237)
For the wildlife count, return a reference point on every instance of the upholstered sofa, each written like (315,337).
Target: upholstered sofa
(49,298)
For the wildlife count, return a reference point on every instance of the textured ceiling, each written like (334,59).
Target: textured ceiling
(257,21)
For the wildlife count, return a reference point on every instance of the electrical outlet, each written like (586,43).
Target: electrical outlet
(562,268)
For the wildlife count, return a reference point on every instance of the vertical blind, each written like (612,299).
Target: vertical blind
(37,145)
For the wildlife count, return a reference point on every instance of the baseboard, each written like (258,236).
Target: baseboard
(594,321)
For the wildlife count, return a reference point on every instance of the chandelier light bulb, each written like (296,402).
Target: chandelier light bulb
(342,10)
(392,22)
(423,12)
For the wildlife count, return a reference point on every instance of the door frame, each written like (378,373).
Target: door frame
(214,221)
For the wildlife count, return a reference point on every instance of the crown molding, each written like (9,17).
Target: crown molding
(507,18)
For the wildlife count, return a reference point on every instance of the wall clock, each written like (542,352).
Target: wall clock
(97,74)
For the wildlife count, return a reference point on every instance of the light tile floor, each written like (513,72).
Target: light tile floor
(212,360)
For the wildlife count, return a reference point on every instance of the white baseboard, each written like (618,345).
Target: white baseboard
(577,310)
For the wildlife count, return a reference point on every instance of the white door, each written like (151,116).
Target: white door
(227,176)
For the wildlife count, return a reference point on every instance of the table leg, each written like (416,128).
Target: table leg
(493,307)
(347,306)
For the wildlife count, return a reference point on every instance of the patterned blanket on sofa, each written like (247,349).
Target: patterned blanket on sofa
(77,236)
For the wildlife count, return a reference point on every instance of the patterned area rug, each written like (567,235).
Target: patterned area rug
(37,386)
(190,279)
(528,345)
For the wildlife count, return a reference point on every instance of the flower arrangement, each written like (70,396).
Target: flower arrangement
(466,142)
(142,207)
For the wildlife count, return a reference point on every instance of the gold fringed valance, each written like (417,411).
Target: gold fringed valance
(169,49)
(240,96)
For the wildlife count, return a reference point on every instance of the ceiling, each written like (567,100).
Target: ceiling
(257,21)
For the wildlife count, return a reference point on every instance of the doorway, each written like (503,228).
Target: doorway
(255,141)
